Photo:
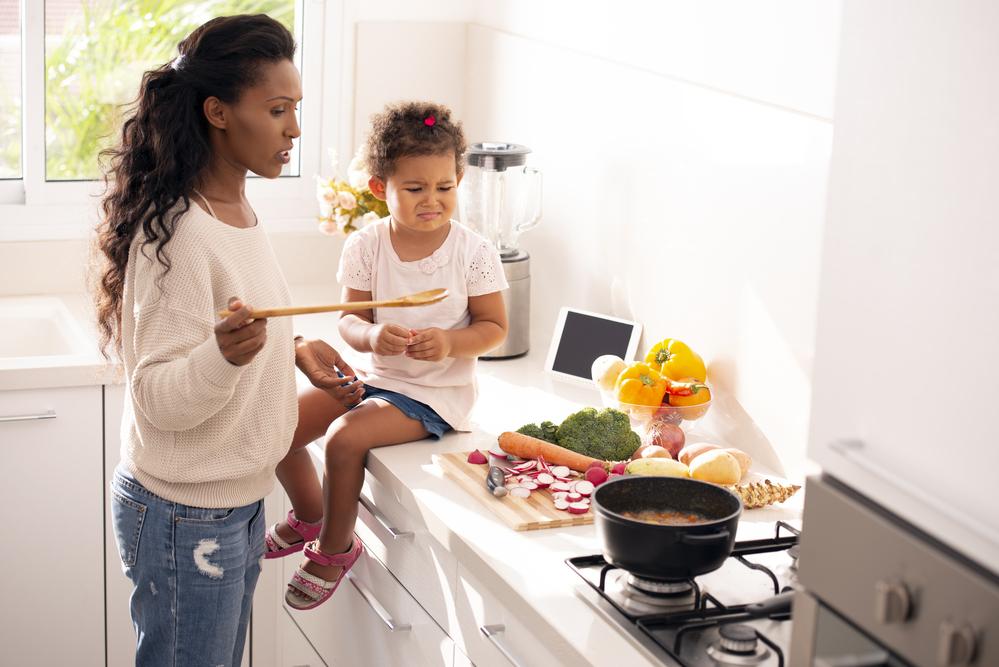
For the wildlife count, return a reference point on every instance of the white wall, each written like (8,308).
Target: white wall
(685,148)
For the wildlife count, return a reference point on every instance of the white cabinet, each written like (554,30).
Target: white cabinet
(52,558)
(295,649)
(373,620)
(120,635)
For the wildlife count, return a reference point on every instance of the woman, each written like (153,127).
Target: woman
(211,404)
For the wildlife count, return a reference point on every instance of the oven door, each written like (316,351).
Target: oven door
(824,639)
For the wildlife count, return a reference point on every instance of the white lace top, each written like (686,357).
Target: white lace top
(467,265)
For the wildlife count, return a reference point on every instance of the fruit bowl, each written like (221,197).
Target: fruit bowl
(643,415)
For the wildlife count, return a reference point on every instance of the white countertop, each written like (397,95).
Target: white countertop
(523,568)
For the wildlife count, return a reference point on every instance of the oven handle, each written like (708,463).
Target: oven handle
(852,450)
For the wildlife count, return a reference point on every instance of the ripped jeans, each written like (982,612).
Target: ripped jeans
(193,571)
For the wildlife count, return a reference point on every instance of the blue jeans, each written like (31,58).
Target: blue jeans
(194,571)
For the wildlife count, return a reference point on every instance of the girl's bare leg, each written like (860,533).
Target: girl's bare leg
(297,474)
(374,423)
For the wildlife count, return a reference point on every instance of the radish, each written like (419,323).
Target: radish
(596,464)
(561,471)
(525,466)
(618,468)
(530,486)
(574,497)
(579,508)
(543,479)
(477,457)
(561,504)
(596,476)
(500,454)
(583,488)
(520,492)
(560,486)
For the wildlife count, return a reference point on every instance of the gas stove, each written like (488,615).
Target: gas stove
(738,615)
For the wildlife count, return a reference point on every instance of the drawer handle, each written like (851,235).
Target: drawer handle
(51,414)
(376,606)
(383,520)
(492,633)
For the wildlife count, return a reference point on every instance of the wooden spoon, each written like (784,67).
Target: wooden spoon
(418,299)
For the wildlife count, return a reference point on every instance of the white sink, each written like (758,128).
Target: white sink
(39,327)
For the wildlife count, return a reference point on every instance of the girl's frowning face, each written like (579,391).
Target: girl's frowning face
(421,192)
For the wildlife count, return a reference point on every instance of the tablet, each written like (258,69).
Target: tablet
(580,337)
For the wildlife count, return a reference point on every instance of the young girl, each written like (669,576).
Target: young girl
(210,405)
(420,380)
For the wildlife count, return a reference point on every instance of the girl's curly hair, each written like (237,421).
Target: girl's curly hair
(408,129)
(164,146)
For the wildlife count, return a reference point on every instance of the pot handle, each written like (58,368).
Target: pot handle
(695,538)
(778,604)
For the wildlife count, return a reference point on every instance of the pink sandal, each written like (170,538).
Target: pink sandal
(316,589)
(276,547)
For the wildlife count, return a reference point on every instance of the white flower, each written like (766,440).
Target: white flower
(327,227)
(357,176)
(347,200)
(341,222)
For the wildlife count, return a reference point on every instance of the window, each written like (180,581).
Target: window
(10,89)
(82,62)
(88,83)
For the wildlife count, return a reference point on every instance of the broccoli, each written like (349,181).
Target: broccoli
(543,431)
(604,435)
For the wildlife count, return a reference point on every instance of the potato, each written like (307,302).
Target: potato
(658,467)
(716,466)
(744,459)
(605,370)
(655,452)
(688,453)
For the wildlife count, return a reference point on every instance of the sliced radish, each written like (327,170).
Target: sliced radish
(561,486)
(520,492)
(561,504)
(561,471)
(574,497)
(477,457)
(583,487)
(530,486)
(525,466)
(560,495)
(544,478)
(579,508)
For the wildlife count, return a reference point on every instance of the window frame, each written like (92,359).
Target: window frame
(32,208)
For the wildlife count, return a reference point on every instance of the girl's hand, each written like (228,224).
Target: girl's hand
(239,336)
(429,344)
(321,363)
(388,339)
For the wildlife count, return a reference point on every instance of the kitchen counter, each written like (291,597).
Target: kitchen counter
(525,569)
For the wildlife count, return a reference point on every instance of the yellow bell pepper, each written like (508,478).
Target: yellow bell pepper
(675,360)
(640,384)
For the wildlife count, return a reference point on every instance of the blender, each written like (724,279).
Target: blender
(500,198)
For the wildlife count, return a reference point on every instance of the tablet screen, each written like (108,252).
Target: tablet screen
(586,337)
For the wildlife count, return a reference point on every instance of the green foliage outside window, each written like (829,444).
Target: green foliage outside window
(94,67)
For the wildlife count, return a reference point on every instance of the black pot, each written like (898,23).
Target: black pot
(663,552)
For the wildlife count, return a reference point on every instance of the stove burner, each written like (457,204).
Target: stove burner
(737,646)
(633,597)
(667,588)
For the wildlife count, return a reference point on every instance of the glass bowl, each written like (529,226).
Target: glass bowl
(643,415)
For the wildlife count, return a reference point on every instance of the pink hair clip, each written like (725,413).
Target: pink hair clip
(429,121)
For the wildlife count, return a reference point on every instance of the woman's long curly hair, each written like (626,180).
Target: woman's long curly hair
(165,146)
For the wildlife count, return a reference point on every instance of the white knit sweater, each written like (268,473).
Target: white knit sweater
(196,429)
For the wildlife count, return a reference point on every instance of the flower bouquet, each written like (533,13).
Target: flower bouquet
(347,205)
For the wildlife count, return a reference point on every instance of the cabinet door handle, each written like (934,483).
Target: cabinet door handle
(51,414)
(383,520)
(376,606)
(493,634)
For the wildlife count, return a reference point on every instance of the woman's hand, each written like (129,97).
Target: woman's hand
(388,339)
(320,363)
(429,344)
(239,336)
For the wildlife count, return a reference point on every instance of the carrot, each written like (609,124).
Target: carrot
(527,447)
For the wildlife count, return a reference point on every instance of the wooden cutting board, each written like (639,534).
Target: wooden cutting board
(531,513)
